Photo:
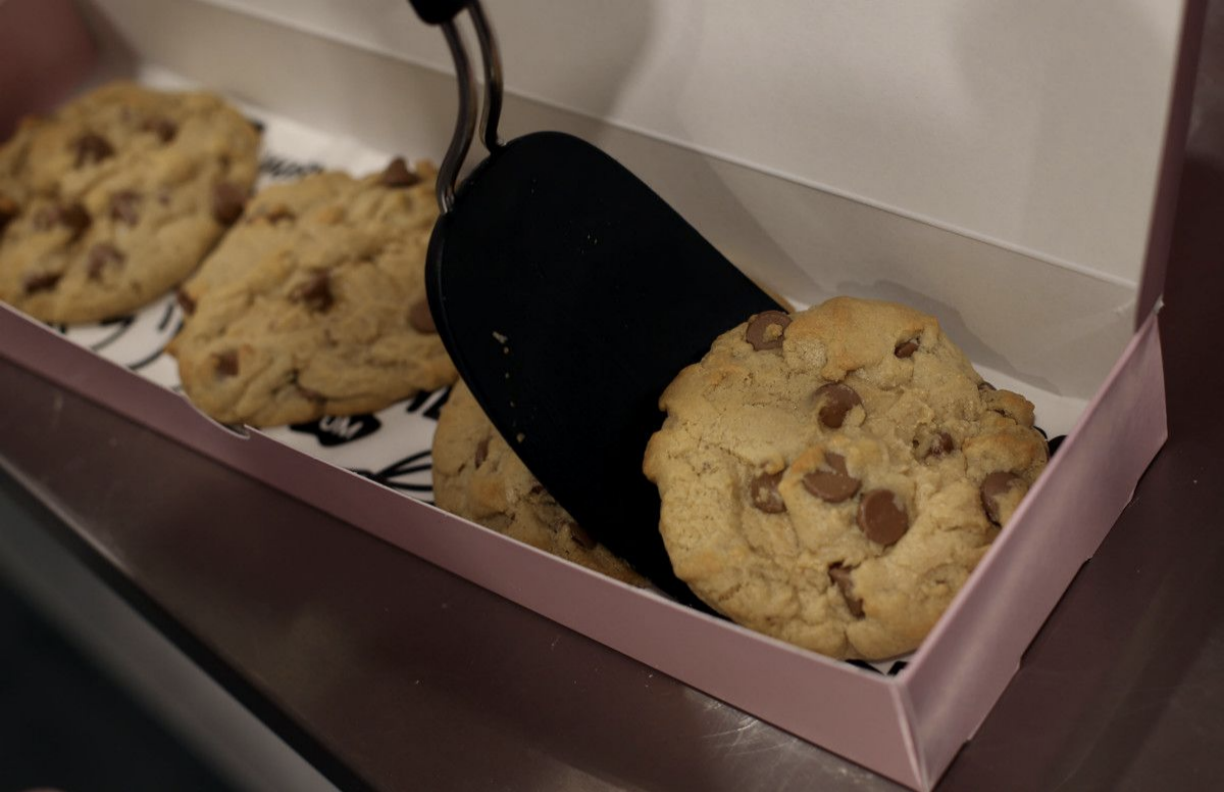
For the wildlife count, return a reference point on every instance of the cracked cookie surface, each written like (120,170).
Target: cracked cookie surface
(831,477)
(314,303)
(477,476)
(115,198)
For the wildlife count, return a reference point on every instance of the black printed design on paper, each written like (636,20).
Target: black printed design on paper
(410,474)
(119,325)
(334,430)
(896,668)
(284,168)
(431,402)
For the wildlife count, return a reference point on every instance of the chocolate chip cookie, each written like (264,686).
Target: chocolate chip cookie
(477,476)
(314,303)
(113,200)
(832,477)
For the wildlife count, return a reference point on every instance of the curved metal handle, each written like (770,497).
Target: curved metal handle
(465,122)
(436,12)
(443,13)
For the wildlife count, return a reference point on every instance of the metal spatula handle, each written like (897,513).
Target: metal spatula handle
(436,12)
(443,14)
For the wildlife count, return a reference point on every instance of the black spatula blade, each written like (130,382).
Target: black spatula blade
(569,295)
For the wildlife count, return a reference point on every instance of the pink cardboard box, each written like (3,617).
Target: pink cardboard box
(907,726)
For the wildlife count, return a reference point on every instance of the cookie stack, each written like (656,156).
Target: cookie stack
(307,300)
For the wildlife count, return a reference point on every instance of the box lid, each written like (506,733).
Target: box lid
(1041,129)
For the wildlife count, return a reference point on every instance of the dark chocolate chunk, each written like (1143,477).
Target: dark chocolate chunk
(834,485)
(227,363)
(91,149)
(123,206)
(764,493)
(397,174)
(316,293)
(580,534)
(940,445)
(77,219)
(420,318)
(228,201)
(838,399)
(840,575)
(482,452)
(985,386)
(100,256)
(761,332)
(906,348)
(995,486)
(43,281)
(8,211)
(164,128)
(882,516)
(257,125)
(185,302)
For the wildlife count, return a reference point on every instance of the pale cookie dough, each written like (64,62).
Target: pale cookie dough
(116,198)
(314,303)
(477,476)
(831,477)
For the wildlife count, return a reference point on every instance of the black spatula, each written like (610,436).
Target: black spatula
(569,295)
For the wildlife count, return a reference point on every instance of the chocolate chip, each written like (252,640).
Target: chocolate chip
(941,444)
(580,534)
(101,255)
(185,302)
(906,349)
(420,318)
(256,124)
(840,575)
(398,175)
(834,485)
(227,363)
(882,516)
(228,201)
(8,211)
(985,386)
(123,206)
(482,452)
(91,149)
(77,219)
(164,128)
(994,487)
(43,281)
(316,293)
(764,493)
(838,399)
(766,330)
